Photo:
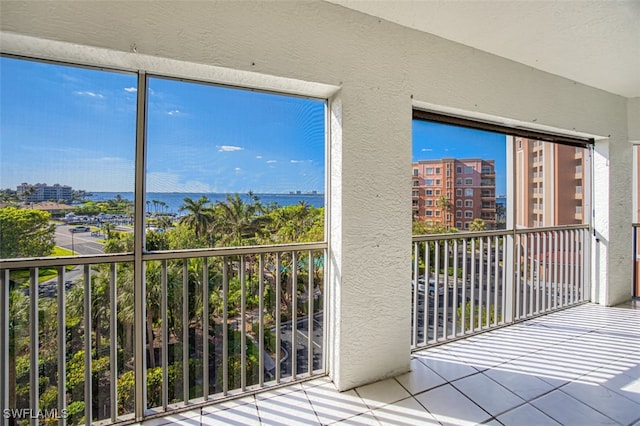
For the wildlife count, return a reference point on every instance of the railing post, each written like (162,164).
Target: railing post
(34,388)
(113,339)
(634,261)
(88,383)
(185,330)
(62,348)
(4,343)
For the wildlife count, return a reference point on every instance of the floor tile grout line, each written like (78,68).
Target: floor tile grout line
(369,409)
(444,378)
(616,391)
(311,404)
(584,403)
(475,403)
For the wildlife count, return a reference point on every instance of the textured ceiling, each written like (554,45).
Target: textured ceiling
(596,43)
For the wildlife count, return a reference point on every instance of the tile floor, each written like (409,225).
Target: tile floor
(580,366)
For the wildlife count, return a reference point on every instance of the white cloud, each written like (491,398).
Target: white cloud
(174,112)
(426,149)
(237,169)
(297,161)
(90,94)
(258,156)
(271,161)
(229,148)
(130,89)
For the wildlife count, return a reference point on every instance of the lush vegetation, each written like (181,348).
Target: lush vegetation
(482,315)
(232,222)
(25,233)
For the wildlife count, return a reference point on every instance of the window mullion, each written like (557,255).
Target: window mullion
(138,247)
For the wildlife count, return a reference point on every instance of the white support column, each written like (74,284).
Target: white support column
(370,236)
(600,242)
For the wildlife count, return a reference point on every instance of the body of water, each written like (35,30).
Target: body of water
(174,200)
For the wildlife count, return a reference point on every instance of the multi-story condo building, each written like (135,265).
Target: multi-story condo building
(549,184)
(43,192)
(454,192)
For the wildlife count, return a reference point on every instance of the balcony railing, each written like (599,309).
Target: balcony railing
(469,282)
(210,324)
(636,259)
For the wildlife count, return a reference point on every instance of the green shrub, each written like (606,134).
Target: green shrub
(479,316)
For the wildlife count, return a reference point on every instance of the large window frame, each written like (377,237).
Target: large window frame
(144,68)
(141,113)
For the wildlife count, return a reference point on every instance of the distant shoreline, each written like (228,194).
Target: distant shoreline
(173,200)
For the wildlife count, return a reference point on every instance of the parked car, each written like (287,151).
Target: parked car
(80,229)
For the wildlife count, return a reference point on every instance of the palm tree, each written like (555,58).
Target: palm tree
(291,224)
(18,341)
(477,225)
(445,206)
(199,217)
(108,229)
(164,222)
(238,220)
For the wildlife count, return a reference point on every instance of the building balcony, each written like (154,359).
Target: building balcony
(551,364)
(554,369)
(462,285)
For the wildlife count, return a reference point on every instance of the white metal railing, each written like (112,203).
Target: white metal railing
(635,255)
(216,323)
(464,283)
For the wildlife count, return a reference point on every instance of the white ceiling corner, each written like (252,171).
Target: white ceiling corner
(594,42)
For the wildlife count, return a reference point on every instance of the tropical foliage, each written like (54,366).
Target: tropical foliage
(232,222)
(25,233)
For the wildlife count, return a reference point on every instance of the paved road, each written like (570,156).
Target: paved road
(82,242)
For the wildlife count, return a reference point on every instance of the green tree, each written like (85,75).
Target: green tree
(199,215)
(119,244)
(239,221)
(9,196)
(25,233)
(164,222)
(444,204)
(501,215)
(108,229)
(477,225)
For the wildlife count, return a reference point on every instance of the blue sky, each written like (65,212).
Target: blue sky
(76,126)
(435,141)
